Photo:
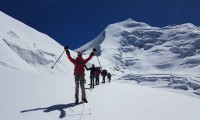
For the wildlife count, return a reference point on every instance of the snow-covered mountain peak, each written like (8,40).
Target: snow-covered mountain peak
(130,23)
(138,47)
(166,57)
(111,35)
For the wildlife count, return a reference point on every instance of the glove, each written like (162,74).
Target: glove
(92,53)
(66,47)
(94,50)
(67,52)
(85,66)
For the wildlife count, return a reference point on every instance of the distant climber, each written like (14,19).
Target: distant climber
(97,74)
(109,77)
(92,75)
(104,74)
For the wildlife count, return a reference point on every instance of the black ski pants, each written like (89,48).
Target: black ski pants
(91,81)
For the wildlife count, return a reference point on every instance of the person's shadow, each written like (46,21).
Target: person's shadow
(59,107)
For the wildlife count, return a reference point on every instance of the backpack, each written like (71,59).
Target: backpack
(79,66)
(104,72)
(80,61)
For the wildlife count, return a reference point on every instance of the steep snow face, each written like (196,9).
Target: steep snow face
(139,48)
(167,57)
(23,48)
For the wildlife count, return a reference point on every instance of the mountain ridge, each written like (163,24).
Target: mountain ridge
(176,46)
(26,49)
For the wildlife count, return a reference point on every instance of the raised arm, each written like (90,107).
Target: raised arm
(69,56)
(91,55)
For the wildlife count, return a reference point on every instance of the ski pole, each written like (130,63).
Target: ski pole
(98,61)
(57,60)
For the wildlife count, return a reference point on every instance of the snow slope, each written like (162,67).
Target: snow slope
(25,49)
(140,48)
(167,57)
(51,97)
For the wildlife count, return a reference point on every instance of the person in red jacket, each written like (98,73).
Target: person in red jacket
(97,74)
(79,73)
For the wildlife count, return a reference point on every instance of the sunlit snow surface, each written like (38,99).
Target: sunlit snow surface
(155,74)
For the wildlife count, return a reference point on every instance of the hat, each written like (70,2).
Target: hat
(79,53)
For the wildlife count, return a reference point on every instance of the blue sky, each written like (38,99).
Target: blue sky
(76,22)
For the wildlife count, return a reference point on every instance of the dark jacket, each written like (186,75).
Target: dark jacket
(92,70)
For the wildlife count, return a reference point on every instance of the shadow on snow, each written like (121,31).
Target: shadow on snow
(59,107)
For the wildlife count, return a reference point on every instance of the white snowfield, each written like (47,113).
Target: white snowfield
(155,74)
(28,96)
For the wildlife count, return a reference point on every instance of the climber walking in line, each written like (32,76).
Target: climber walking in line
(92,75)
(97,74)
